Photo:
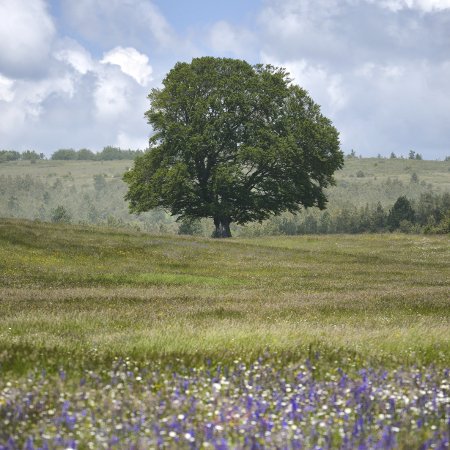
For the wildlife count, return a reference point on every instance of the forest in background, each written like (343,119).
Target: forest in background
(371,195)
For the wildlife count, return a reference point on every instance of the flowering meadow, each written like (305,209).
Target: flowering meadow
(259,405)
(124,340)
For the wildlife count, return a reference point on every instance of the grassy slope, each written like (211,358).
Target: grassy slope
(435,172)
(71,295)
(71,183)
(375,169)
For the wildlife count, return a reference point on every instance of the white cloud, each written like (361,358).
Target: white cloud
(118,22)
(26,34)
(326,88)
(125,140)
(131,62)
(379,108)
(424,5)
(76,56)
(375,72)
(25,103)
(396,107)
(379,69)
(6,89)
(112,95)
(225,38)
(82,102)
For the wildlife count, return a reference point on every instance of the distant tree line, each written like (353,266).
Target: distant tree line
(411,155)
(430,213)
(108,153)
(12,155)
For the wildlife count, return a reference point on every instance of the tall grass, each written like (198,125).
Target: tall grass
(73,295)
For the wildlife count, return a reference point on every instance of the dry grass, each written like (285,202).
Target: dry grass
(75,295)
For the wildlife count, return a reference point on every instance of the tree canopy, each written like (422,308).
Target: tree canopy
(235,143)
(401,211)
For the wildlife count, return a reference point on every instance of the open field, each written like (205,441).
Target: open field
(77,298)
(72,290)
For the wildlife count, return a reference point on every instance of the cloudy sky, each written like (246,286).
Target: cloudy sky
(77,73)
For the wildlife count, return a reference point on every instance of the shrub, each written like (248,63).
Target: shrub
(60,215)
(190,227)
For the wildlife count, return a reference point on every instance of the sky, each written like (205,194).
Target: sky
(76,74)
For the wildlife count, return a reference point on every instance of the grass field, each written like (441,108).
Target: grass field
(74,289)
(77,298)
(80,173)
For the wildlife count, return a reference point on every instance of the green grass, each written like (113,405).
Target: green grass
(73,296)
(79,173)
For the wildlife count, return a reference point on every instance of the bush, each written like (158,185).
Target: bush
(31,155)
(9,155)
(65,154)
(86,155)
(190,227)
(60,215)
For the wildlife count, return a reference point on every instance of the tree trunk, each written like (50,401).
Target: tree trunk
(222,229)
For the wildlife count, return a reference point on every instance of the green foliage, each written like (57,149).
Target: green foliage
(28,155)
(12,155)
(65,154)
(31,155)
(99,182)
(414,155)
(235,143)
(414,178)
(402,211)
(109,153)
(378,219)
(9,155)
(442,228)
(190,227)
(429,212)
(85,154)
(60,215)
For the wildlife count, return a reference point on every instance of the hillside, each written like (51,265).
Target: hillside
(92,192)
(120,339)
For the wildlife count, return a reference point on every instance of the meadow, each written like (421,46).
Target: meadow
(118,339)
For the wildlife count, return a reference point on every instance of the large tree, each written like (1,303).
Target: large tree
(235,143)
